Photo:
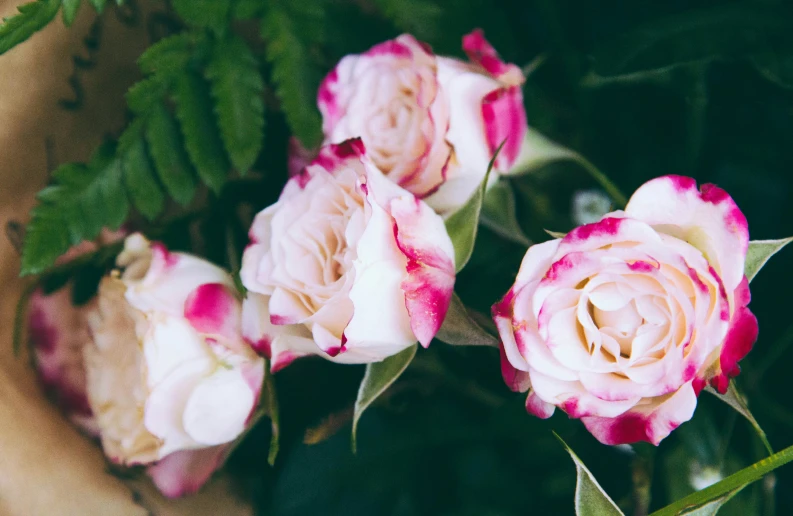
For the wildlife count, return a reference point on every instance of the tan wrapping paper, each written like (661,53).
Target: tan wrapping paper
(46,467)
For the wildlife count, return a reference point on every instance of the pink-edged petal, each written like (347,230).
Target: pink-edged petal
(516,380)
(707,218)
(739,341)
(651,420)
(481,52)
(184,472)
(421,236)
(327,98)
(214,308)
(537,407)
(334,157)
(505,122)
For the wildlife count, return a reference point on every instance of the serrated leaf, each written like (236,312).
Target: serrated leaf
(462,225)
(167,152)
(460,329)
(145,94)
(31,18)
(212,14)
(82,200)
(70,8)
(237,88)
(734,399)
(590,498)
(499,213)
(538,151)
(139,178)
(202,141)
(289,30)
(759,253)
(728,485)
(99,5)
(378,377)
(169,55)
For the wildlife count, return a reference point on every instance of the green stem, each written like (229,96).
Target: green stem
(610,188)
(736,480)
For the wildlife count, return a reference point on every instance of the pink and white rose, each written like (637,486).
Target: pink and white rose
(346,265)
(170,380)
(622,322)
(431,124)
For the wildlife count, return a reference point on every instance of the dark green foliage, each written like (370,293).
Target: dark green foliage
(31,18)
(290,29)
(80,202)
(211,14)
(168,154)
(237,88)
(139,176)
(202,141)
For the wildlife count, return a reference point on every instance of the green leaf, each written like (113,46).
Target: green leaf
(727,485)
(378,377)
(759,252)
(169,56)
(418,17)
(734,399)
(590,498)
(168,154)
(202,141)
(146,94)
(212,14)
(32,18)
(99,5)
(460,329)
(246,9)
(462,225)
(711,508)
(139,178)
(237,88)
(539,151)
(290,29)
(70,8)
(499,213)
(82,200)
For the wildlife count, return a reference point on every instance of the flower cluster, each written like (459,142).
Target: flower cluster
(621,323)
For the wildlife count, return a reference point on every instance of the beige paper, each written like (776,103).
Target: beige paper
(46,467)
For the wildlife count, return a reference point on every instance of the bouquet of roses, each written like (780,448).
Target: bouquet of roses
(187,264)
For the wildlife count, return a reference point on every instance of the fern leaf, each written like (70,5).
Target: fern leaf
(146,94)
(237,87)
(139,179)
(70,8)
(31,18)
(212,14)
(246,9)
(202,141)
(99,5)
(169,55)
(167,152)
(82,200)
(295,75)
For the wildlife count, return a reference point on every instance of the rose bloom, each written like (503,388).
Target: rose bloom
(157,362)
(622,322)
(431,124)
(346,265)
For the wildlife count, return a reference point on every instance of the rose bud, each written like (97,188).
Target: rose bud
(430,124)
(170,380)
(346,265)
(622,322)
